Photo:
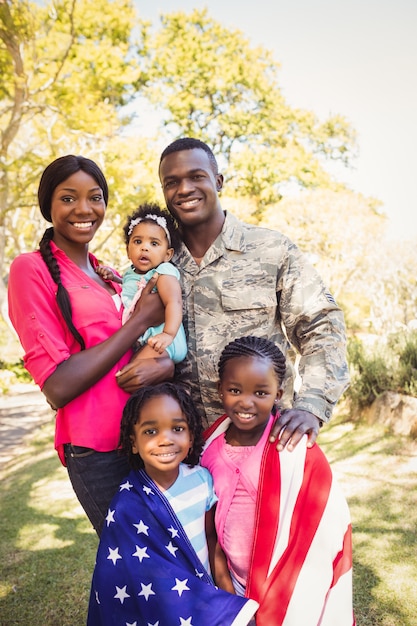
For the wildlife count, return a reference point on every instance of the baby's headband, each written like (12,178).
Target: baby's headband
(161,221)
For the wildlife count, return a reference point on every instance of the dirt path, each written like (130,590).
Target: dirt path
(21,411)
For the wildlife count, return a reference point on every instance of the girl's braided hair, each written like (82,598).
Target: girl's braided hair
(256,347)
(55,173)
(137,403)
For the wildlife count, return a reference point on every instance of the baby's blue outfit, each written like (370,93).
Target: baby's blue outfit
(133,284)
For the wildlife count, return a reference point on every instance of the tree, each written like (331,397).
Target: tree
(342,233)
(211,84)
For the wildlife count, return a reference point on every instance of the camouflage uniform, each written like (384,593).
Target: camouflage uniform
(255,281)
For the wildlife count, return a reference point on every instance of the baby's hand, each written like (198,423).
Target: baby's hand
(160,342)
(105,272)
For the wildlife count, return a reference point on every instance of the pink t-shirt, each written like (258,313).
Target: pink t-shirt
(93,418)
(235,472)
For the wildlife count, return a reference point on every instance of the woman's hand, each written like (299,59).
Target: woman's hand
(142,372)
(149,308)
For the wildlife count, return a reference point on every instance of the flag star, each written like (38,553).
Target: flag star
(180,586)
(156,624)
(172,549)
(110,517)
(97,598)
(199,574)
(126,486)
(114,555)
(147,490)
(121,594)
(141,553)
(186,622)
(131,624)
(173,531)
(141,528)
(146,591)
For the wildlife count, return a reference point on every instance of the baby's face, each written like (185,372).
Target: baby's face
(148,247)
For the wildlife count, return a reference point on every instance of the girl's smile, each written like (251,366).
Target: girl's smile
(248,390)
(162,438)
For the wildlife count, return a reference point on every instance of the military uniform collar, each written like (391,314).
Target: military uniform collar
(230,238)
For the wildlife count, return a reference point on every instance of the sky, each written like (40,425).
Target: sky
(357,59)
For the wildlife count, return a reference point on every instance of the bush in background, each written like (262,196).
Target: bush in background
(12,373)
(386,365)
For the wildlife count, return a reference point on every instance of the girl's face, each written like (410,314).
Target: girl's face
(148,247)
(77,210)
(248,390)
(162,438)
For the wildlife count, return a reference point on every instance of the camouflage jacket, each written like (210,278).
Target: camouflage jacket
(255,281)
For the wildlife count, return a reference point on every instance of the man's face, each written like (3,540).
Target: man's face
(190,186)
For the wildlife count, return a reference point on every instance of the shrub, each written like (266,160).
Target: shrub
(370,373)
(388,365)
(18,371)
(407,367)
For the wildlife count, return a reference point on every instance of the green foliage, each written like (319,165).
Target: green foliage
(405,346)
(385,366)
(263,142)
(12,373)
(372,374)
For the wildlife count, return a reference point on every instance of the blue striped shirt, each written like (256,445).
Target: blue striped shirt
(191,496)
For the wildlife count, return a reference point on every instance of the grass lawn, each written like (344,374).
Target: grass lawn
(378,473)
(47,547)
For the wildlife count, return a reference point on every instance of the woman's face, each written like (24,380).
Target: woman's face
(77,209)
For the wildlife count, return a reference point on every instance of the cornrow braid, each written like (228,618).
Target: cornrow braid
(136,404)
(254,346)
(62,295)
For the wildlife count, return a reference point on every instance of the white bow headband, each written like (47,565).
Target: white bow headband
(161,221)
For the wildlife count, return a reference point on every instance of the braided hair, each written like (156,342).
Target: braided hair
(136,404)
(255,347)
(57,172)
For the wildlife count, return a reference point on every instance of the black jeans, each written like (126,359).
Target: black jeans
(95,478)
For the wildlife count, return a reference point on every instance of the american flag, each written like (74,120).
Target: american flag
(301,563)
(148,574)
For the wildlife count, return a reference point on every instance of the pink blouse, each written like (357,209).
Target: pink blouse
(93,418)
(235,472)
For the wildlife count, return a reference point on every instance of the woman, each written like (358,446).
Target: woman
(69,323)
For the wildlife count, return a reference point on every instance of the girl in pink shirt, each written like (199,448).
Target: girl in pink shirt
(69,322)
(281,518)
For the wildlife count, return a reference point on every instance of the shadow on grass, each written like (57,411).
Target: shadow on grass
(378,472)
(47,552)
(371,608)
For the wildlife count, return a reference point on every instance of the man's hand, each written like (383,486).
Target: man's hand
(142,372)
(291,426)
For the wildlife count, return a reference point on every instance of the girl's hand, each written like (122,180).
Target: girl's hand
(106,273)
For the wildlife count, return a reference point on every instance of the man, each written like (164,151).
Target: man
(239,279)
